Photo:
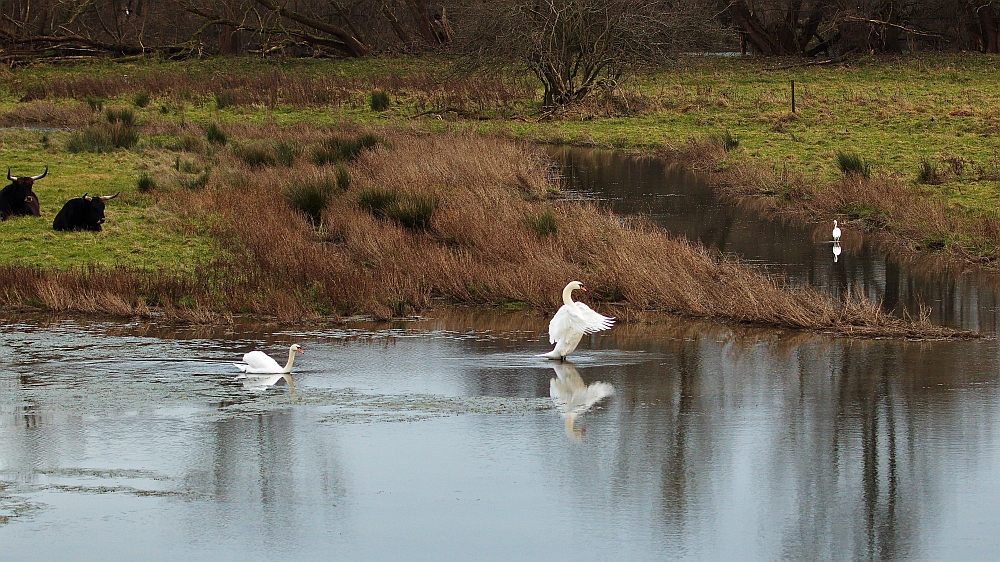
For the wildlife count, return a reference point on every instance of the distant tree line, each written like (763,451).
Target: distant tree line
(356,28)
(812,27)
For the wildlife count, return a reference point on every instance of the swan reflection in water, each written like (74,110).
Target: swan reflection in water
(263,382)
(836,251)
(572,397)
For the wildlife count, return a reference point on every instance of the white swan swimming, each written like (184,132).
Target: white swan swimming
(258,362)
(571,322)
(836,231)
(572,397)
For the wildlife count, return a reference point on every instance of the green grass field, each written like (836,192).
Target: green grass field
(937,113)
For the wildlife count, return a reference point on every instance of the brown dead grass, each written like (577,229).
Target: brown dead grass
(479,247)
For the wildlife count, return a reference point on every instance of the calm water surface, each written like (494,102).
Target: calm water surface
(684,204)
(443,439)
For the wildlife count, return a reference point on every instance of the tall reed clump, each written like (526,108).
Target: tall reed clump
(379,101)
(215,134)
(853,163)
(411,210)
(103,137)
(310,196)
(339,148)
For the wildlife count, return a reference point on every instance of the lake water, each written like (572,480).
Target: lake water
(448,439)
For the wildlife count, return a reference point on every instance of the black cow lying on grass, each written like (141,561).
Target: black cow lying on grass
(18,199)
(82,213)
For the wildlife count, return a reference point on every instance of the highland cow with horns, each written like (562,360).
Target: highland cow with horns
(18,198)
(82,213)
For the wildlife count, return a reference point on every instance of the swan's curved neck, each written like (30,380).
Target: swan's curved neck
(291,359)
(568,295)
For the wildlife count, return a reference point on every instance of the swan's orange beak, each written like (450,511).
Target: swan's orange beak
(300,350)
(582,288)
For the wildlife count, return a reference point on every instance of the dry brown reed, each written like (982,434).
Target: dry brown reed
(466,93)
(480,249)
(476,247)
(45,113)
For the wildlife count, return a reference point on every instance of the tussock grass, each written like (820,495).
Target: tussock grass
(339,148)
(146,182)
(123,115)
(379,101)
(215,135)
(256,155)
(103,137)
(311,195)
(853,163)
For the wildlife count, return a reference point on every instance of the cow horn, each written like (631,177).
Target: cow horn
(10,177)
(110,197)
(36,177)
(84,197)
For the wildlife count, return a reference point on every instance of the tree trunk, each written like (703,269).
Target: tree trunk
(755,32)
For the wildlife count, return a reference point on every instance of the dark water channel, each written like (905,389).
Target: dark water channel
(448,439)
(684,204)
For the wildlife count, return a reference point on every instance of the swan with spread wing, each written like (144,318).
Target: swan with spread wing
(572,322)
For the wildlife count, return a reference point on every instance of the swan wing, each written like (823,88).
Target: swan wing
(260,362)
(573,320)
(591,321)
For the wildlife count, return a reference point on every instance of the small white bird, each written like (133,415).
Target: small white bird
(572,397)
(836,231)
(571,322)
(258,362)
(836,251)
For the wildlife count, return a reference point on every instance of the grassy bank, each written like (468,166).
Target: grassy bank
(256,188)
(925,127)
(311,221)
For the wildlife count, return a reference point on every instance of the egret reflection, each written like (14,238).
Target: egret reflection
(572,397)
(836,251)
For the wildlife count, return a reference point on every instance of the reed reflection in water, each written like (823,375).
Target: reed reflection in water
(685,204)
(720,442)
